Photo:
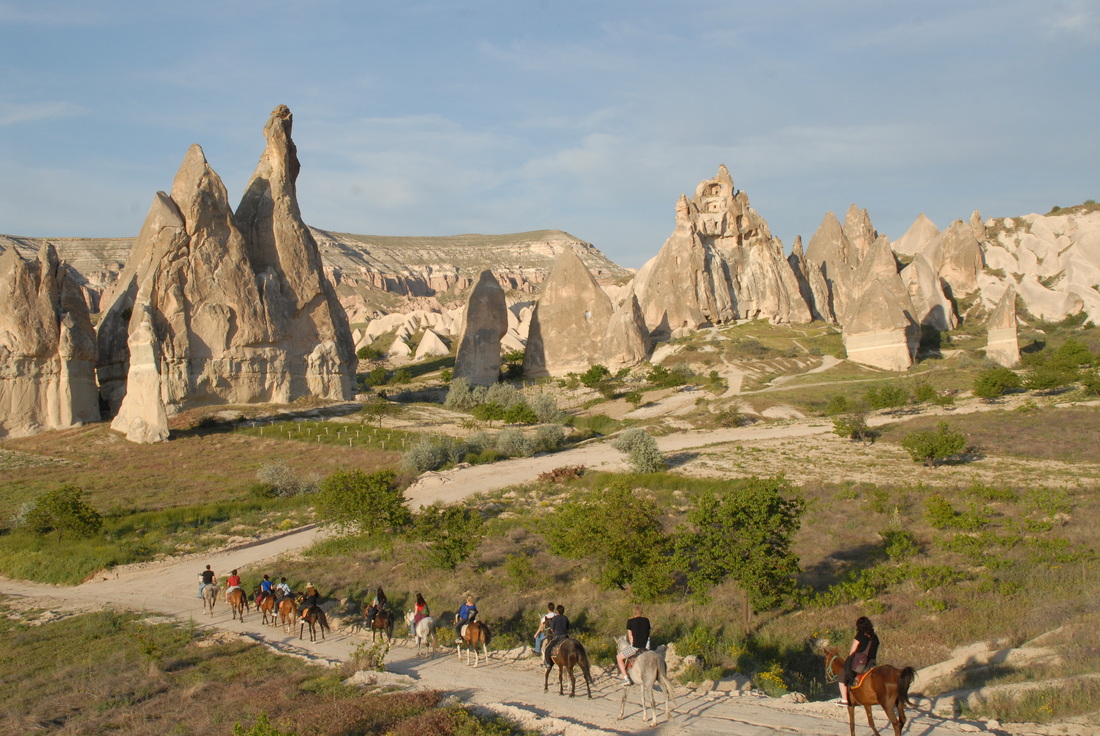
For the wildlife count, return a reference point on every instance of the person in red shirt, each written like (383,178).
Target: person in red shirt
(231,583)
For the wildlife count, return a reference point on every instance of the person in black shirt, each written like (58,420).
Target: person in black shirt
(208,578)
(635,641)
(559,630)
(861,658)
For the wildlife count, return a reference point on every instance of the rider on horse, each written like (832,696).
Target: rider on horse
(379,603)
(559,632)
(420,610)
(634,643)
(207,577)
(282,590)
(309,600)
(861,657)
(233,582)
(466,613)
(544,627)
(264,591)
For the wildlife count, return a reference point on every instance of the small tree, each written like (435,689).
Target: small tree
(995,382)
(852,424)
(378,408)
(63,511)
(595,375)
(934,447)
(371,503)
(488,412)
(453,533)
(376,377)
(520,413)
(891,397)
(746,535)
(368,352)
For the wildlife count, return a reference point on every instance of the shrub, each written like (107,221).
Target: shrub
(512,443)
(520,413)
(934,447)
(565,472)
(995,382)
(730,418)
(890,397)
(853,425)
(837,404)
(368,352)
(401,376)
(431,453)
(282,481)
(595,375)
(546,408)
(549,438)
(489,412)
(371,503)
(459,395)
(376,377)
(899,544)
(63,511)
(664,378)
(521,572)
(645,457)
(504,394)
(452,533)
(634,398)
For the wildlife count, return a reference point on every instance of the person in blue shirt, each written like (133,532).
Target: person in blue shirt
(466,613)
(265,590)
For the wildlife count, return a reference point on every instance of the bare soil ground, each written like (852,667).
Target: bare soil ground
(511,684)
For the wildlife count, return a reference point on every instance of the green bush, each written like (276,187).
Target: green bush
(453,533)
(549,438)
(520,413)
(996,382)
(64,511)
(368,352)
(934,447)
(891,397)
(899,544)
(376,377)
(595,375)
(645,457)
(546,408)
(369,502)
(512,443)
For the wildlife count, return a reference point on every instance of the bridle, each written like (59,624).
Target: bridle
(830,676)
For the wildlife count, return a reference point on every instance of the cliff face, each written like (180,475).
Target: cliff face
(47,347)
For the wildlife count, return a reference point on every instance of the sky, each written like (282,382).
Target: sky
(427,117)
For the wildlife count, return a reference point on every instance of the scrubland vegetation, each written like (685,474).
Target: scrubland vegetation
(945,525)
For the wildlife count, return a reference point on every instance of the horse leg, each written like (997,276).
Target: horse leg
(622,706)
(871,720)
(561,679)
(546,681)
(890,713)
(572,682)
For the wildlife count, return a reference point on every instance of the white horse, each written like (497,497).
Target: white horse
(648,669)
(209,597)
(424,631)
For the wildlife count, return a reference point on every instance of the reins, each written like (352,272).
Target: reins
(831,676)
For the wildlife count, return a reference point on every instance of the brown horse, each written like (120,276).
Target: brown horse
(568,654)
(266,605)
(314,617)
(473,634)
(382,623)
(288,612)
(238,603)
(886,685)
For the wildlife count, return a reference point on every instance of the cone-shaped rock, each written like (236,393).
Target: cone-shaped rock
(486,322)
(47,347)
(210,326)
(626,343)
(957,257)
(431,346)
(832,254)
(811,283)
(569,323)
(879,327)
(932,307)
(919,235)
(859,231)
(1003,345)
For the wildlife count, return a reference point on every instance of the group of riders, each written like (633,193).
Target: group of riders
(277,592)
(553,626)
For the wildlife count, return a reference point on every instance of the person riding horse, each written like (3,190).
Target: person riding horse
(309,600)
(544,627)
(207,577)
(420,610)
(633,643)
(862,656)
(379,603)
(559,632)
(233,582)
(282,590)
(466,613)
(264,591)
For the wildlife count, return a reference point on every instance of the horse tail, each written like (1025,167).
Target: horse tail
(905,679)
(323,620)
(488,634)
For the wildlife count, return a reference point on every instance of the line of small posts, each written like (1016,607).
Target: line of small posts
(353,435)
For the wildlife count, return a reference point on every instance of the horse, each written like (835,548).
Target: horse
(474,633)
(315,618)
(649,668)
(886,685)
(568,654)
(288,612)
(209,597)
(266,605)
(238,603)
(381,623)
(424,631)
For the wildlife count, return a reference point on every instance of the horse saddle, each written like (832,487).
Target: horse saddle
(628,662)
(859,678)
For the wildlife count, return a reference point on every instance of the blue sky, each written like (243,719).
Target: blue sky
(437,118)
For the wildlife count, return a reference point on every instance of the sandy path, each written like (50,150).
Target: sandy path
(512,688)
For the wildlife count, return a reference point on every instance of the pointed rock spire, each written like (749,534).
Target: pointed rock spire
(486,322)
(1003,345)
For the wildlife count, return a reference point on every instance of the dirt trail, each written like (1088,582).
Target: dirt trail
(511,688)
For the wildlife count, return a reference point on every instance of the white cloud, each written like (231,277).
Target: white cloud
(27,112)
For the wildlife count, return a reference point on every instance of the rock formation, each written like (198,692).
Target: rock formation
(879,327)
(919,235)
(215,307)
(956,254)
(626,341)
(569,323)
(833,255)
(721,263)
(486,322)
(1003,345)
(47,347)
(932,307)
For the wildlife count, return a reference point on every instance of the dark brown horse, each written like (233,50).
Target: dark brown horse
(382,623)
(567,655)
(314,617)
(474,634)
(238,603)
(886,685)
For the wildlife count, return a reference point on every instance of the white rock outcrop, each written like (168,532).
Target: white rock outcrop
(486,322)
(218,307)
(1003,342)
(47,347)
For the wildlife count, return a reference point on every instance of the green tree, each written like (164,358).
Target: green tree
(996,382)
(852,423)
(520,413)
(453,533)
(64,511)
(594,375)
(376,377)
(489,412)
(372,503)
(378,408)
(1051,376)
(932,447)
(368,352)
(401,376)
(620,534)
(890,397)
(746,535)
